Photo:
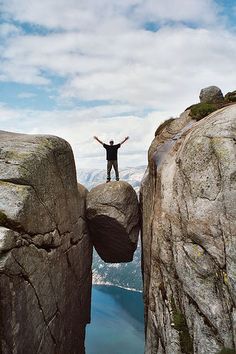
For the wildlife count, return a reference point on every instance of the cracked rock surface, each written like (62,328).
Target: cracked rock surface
(113,216)
(188,201)
(45,250)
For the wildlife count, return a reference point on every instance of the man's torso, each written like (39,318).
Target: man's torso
(111,151)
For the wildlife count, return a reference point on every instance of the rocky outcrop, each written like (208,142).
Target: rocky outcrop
(189,235)
(113,216)
(45,251)
(211,94)
(230,96)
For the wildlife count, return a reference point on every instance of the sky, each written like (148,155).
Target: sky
(79,68)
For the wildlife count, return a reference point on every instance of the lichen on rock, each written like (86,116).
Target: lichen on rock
(211,94)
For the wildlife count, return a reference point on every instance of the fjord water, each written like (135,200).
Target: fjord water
(116,322)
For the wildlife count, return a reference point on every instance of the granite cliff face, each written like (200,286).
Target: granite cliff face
(188,207)
(45,251)
(113,219)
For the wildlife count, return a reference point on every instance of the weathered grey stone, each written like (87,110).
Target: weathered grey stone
(188,199)
(45,254)
(230,96)
(113,215)
(211,94)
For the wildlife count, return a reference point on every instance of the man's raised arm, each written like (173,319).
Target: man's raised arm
(125,139)
(96,138)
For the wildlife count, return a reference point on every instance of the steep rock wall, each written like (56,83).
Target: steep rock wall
(188,201)
(45,251)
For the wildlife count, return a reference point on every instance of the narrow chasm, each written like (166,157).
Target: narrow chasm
(113,216)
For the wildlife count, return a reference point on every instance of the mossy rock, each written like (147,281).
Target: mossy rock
(227,351)
(181,326)
(230,96)
(163,125)
(201,110)
(179,321)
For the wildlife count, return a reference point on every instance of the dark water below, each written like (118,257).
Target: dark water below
(117,322)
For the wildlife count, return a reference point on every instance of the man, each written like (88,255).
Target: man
(112,156)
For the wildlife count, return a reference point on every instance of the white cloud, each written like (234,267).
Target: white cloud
(138,67)
(79,126)
(103,53)
(7,117)
(19,71)
(87,14)
(201,11)
(109,58)
(8,29)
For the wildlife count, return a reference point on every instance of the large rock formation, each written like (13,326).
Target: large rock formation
(189,236)
(45,251)
(113,216)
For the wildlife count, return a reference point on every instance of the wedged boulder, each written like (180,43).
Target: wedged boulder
(188,201)
(45,250)
(113,217)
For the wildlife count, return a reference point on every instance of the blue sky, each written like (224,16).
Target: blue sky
(82,68)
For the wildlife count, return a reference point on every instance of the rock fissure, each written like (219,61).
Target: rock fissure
(223,241)
(26,278)
(147,262)
(206,320)
(117,207)
(202,273)
(194,241)
(43,334)
(25,239)
(70,266)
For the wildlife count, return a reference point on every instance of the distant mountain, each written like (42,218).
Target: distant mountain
(125,275)
(92,177)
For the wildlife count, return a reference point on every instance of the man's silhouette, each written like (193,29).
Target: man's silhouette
(111,156)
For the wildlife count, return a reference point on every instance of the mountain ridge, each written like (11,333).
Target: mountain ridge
(91,177)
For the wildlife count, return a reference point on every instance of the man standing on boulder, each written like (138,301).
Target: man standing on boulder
(112,156)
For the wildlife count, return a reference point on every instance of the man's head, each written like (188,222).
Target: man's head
(111,142)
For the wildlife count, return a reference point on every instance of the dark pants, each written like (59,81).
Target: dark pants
(113,163)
